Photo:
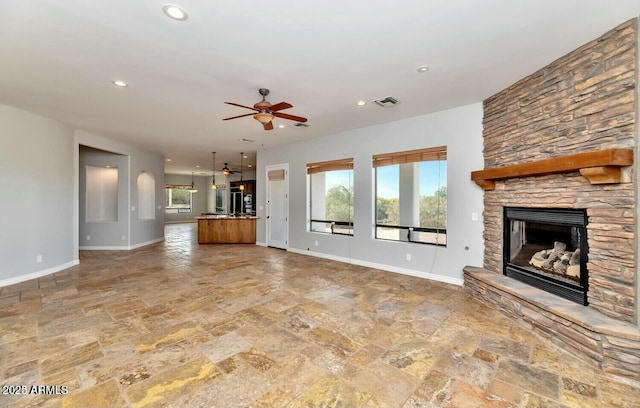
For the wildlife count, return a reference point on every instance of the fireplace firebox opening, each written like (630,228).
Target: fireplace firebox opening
(547,248)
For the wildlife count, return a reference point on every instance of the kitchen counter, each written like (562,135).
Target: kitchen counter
(214,229)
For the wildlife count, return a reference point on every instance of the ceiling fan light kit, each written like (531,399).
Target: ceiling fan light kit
(266,112)
(263,117)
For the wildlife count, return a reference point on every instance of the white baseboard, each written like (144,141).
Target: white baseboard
(120,248)
(38,274)
(389,268)
(153,241)
(260,243)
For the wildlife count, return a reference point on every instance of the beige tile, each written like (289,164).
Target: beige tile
(106,394)
(171,334)
(330,391)
(74,357)
(172,384)
(466,368)
(386,384)
(179,324)
(435,387)
(465,395)
(413,357)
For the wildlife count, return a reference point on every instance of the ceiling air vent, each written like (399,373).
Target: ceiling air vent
(301,125)
(247,140)
(386,101)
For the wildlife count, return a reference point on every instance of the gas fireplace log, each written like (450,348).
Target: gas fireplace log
(557,260)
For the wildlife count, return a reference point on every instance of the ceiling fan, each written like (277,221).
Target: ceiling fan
(266,111)
(226,170)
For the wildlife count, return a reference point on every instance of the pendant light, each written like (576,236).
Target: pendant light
(193,188)
(213,167)
(241,185)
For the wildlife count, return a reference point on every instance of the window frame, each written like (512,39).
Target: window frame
(178,210)
(397,158)
(324,167)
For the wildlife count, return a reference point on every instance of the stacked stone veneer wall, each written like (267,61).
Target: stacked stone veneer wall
(582,102)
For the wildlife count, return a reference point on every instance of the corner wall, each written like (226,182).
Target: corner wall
(37,200)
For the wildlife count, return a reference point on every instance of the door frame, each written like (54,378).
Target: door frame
(269,242)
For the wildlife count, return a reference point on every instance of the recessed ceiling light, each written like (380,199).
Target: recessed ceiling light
(281,126)
(175,12)
(361,103)
(120,83)
(168,159)
(422,68)
(249,165)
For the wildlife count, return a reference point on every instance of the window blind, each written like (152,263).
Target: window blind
(318,167)
(410,156)
(276,174)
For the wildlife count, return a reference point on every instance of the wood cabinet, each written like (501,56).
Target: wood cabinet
(249,186)
(226,230)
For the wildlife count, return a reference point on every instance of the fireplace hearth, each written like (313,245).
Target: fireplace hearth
(547,248)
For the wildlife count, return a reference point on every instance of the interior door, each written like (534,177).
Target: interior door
(277,206)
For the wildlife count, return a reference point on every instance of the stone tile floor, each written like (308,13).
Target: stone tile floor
(176,324)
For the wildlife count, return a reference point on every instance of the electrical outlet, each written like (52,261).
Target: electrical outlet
(474,216)
(88,237)
(316,242)
(39,258)
(408,256)
(123,237)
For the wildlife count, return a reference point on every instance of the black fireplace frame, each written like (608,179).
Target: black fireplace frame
(568,217)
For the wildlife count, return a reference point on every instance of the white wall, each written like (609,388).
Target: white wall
(36,196)
(459,129)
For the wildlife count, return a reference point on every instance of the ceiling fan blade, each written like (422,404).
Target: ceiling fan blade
(290,117)
(242,106)
(268,125)
(280,106)
(239,116)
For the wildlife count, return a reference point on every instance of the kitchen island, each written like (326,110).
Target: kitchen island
(226,230)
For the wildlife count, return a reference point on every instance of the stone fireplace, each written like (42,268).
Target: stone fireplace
(562,141)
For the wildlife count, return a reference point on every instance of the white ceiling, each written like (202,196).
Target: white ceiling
(58,58)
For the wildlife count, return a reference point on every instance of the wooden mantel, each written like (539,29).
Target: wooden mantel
(599,167)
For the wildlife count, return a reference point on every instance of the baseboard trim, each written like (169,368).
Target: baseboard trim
(153,241)
(388,268)
(120,248)
(38,274)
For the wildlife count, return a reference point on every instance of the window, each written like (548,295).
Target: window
(411,196)
(220,207)
(177,199)
(331,196)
